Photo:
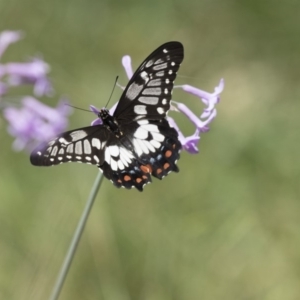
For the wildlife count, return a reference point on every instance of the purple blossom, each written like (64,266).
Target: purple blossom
(8,37)
(33,72)
(35,122)
(210,100)
(201,123)
(18,73)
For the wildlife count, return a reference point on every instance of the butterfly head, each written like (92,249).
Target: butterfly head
(103,114)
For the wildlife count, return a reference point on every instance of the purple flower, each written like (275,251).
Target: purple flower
(189,143)
(33,72)
(201,123)
(35,122)
(8,37)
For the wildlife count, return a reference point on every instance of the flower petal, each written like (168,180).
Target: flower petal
(8,37)
(126,62)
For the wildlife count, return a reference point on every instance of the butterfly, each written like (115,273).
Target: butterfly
(136,141)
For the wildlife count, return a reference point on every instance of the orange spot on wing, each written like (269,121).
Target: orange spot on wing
(145,177)
(138,180)
(168,153)
(127,178)
(174,146)
(158,171)
(150,168)
(166,166)
(146,168)
(119,180)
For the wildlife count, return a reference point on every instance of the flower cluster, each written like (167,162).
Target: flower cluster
(30,121)
(189,143)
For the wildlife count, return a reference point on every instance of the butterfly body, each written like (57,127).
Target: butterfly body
(110,122)
(137,140)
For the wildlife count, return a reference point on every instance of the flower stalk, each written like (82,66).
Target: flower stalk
(75,240)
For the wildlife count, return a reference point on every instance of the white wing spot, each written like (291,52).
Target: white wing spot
(39,153)
(133,90)
(61,151)
(149,146)
(145,76)
(152,91)
(107,156)
(68,156)
(54,151)
(114,165)
(170,72)
(167,81)
(96,143)
(51,159)
(159,61)
(159,67)
(77,135)
(140,109)
(59,158)
(121,165)
(78,148)
(155,144)
(87,147)
(161,73)
(160,110)
(137,147)
(155,82)
(141,133)
(150,127)
(165,51)
(157,136)
(166,91)
(172,63)
(96,158)
(142,146)
(125,155)
(124,161)
(88,158)
(149,100)
(143,122)
(63,141)
(78,157)
(70,148)
(114,150)
(164,101)
(149,63)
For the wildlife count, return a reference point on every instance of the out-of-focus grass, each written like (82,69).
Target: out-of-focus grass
(226,226)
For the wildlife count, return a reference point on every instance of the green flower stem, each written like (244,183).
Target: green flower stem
(75,240)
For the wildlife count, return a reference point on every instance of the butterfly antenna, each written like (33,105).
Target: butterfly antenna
(78,107)
(112,90)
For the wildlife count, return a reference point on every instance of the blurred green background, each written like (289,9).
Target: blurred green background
(228,225)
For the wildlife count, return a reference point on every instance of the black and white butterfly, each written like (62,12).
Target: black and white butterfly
(137,140)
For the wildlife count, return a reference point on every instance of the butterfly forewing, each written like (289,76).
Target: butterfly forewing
(81,145)
(148,93)
(137,141)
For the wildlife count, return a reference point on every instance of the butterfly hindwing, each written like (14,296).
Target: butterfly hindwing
(146,148)
(149,91)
